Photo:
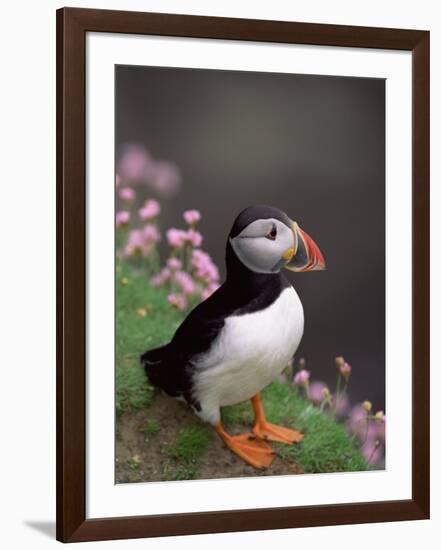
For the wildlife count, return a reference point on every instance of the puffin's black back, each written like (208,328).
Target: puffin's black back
(244,291)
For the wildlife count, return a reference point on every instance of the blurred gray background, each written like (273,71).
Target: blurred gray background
(311,145)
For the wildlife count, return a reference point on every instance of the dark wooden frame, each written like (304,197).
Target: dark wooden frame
(72,26)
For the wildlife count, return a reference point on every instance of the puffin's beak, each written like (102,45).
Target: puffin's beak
(306,255)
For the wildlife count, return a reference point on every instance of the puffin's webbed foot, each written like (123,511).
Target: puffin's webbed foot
(255,452)
(271,432)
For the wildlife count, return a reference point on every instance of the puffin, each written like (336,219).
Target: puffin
(236,342)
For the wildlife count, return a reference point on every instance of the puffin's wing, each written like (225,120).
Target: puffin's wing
(170,367)
(200,328)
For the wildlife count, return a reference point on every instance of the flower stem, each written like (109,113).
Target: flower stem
(307,391)
(367,430)
(374,450)
(337,394)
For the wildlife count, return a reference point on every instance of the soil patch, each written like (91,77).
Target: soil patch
(145,440)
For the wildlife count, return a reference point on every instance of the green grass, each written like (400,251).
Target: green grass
(151,428)
(144,320)
(190,445)
(133,463)
(325,448)
(179,472)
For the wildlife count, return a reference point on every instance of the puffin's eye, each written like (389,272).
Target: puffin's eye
(272,234)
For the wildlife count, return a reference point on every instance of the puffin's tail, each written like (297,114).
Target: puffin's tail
(153,363)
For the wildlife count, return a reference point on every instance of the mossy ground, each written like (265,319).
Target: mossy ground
(161,439)
(144,319)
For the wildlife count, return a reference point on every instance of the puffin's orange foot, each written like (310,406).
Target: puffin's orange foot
(272,432)
(254,451)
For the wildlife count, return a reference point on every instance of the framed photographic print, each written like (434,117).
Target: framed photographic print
(243,265)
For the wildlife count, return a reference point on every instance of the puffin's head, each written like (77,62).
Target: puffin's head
(265,240)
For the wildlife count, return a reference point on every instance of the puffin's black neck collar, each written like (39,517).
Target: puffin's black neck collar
(241,277)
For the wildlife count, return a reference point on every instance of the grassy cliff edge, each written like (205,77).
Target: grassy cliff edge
(159,439)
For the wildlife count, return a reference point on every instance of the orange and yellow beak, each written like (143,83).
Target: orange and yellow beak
(305,255)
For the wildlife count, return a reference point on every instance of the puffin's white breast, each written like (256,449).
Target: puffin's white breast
(249,353)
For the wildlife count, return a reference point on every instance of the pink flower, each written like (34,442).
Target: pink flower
(206,293)
(357,421)
(122,218)
(340,405)
(134,162)
(165,178)
(177,300)
(157,281)
(126,194)
(117,180)
(150,210)
(135,243)
(185,282)
(204,267)
(372,451)
(194,237)
(198,257)
(302,378)
(162,277)
(136,165)
(316,392)
(362,426)
(209,290)
(192,216)
(141,241)
(176,237)
(174,264)
(151,233)
(345,370)
(378,430)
